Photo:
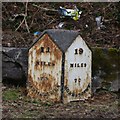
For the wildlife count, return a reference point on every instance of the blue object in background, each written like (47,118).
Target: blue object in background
(36,34)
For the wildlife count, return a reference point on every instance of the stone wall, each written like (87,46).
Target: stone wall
(105,67)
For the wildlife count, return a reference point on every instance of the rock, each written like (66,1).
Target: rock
(96,83)
(115,86)
(105,69)
(14,65)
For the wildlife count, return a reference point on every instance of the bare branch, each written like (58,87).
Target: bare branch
(24,19)
(17,15)
(27,26)
(45,9)
(20,24)
(33,17)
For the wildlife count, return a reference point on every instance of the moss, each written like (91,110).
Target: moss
(105,63)
(98,59)
(114,54)
(12,94)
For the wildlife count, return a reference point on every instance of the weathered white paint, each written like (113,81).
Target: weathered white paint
(71,73)
(52,74)
(31,62)
(44,76)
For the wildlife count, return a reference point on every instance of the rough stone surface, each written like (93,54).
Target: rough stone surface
(105,70)
(14,65)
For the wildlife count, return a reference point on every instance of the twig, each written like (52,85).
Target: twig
(22,38)
(5,9)
(27,26)
(33,17)
(20,24)
(45,9)
(24,19)
(17,15)
(50,23)
(3,18)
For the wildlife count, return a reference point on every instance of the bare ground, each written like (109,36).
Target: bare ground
(103,104)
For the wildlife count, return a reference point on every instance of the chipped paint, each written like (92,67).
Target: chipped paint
(77,75)
(55,75)
(44,70)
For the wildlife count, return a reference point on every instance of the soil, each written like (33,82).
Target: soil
(103,104)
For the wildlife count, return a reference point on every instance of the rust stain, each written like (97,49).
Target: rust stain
(66,78)
(77,92)
(30,72)
(37,51)
(54,52)
(46,42)
(87,82)
(43,84)
(66,81)
(43,90)
(35,47)
(57,53)
(30,53)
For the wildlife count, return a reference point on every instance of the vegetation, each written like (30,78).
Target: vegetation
(11,95)
(19,18)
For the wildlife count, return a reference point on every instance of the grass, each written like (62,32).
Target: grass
(11,94)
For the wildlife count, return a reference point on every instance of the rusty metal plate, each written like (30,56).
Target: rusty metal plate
(44,71)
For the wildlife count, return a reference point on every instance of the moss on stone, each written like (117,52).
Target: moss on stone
(105,64)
